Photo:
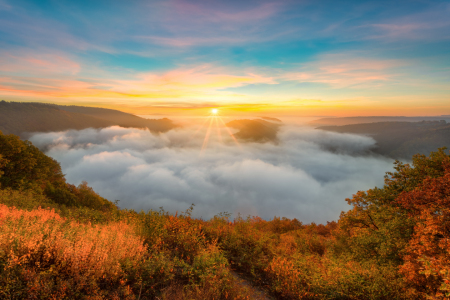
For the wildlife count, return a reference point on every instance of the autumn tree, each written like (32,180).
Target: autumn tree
(427,256)
(378,227)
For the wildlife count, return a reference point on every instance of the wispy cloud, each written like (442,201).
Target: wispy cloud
(186,24)
(431,24)
(37,63)
(347,71)
(201,83)
(236,13)
(4,5)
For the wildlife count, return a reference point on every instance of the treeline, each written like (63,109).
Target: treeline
(21,118)
(66,242)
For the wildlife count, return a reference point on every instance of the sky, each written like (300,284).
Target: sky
(277,58)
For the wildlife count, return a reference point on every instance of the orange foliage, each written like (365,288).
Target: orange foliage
(427,259)
(41,240)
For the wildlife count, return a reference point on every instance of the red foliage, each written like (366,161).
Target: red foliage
(427,258)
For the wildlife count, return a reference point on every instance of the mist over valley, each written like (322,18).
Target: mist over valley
(304,174)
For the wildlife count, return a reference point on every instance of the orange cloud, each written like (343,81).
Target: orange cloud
(201,83)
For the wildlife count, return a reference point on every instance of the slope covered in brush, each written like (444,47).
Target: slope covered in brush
(66,242)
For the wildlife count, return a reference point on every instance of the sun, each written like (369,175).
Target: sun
(214,111)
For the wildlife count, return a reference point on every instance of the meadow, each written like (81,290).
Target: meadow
(60,241)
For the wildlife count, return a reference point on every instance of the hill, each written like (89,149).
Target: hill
(23,118)
(121,118)
(257,130)
(373,119)
(401,140)
(60,241)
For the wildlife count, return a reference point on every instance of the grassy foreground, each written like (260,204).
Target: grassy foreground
(59,241)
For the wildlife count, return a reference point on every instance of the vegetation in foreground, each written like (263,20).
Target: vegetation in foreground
(60,241)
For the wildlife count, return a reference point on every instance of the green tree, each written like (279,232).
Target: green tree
(24,166)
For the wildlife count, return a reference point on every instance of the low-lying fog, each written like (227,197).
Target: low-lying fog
(306,174)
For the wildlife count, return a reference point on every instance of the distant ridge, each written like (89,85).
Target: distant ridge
(121,118)
(22,118)
(374,119)
(401,140)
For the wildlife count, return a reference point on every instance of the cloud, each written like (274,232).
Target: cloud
(430,24)
(202,13)
(4,5)
(204,82)
(307,175)
(37,63)
(186,23)
(347,70)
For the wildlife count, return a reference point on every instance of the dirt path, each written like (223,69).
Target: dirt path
(257,292)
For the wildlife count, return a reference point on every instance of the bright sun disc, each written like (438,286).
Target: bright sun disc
(214,111)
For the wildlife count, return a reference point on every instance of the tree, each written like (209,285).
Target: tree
(378,227)
(24,166)
(3,162)
(427,257)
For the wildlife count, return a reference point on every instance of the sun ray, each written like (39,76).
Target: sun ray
(201,126)
(219,133)
(230,133)
(208,132)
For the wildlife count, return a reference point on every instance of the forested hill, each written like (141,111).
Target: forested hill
(22,118)
(374,119)
(257,130)
(61,241)
(121,118)
(401,140)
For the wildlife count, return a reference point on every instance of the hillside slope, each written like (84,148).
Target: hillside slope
(121,118)
(374,119)
(257,130)
(61,241)
(23,118)
(401,140)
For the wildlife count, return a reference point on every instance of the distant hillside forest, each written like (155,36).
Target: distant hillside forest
(257,130)
(61,241)
(374,119)
(22,118)
(401,140)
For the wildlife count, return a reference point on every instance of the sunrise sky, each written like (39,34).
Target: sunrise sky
(280,58)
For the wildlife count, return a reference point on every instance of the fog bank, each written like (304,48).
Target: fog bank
(306,175)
